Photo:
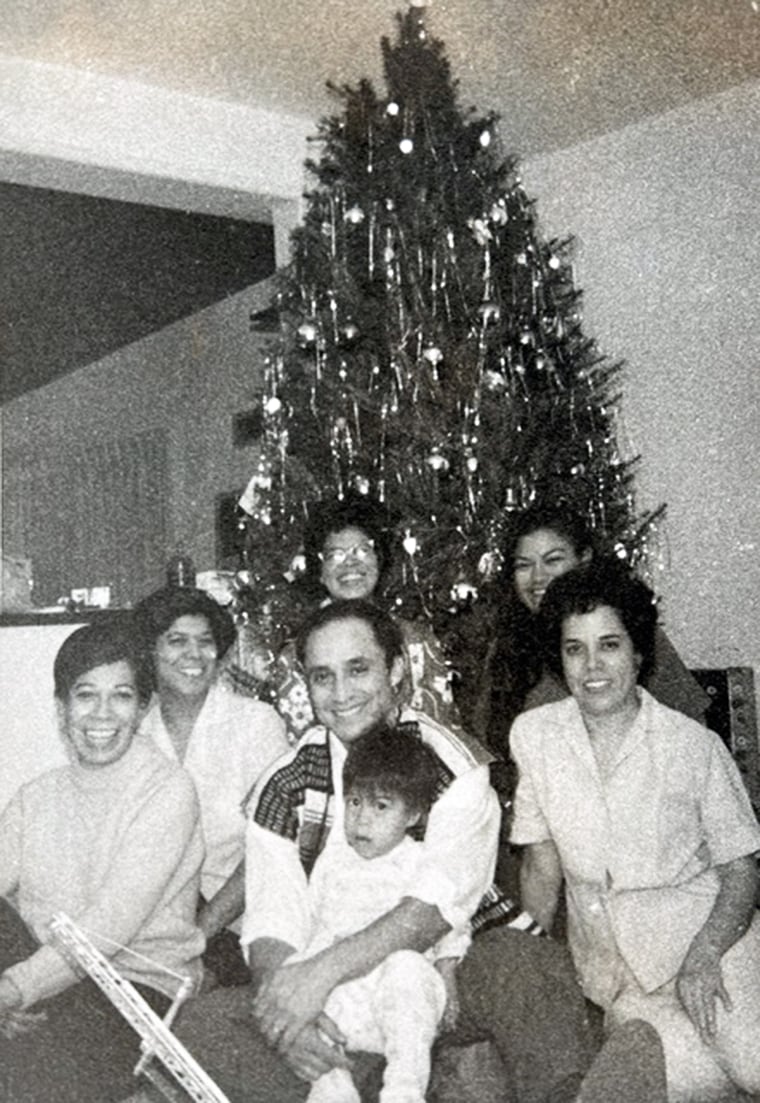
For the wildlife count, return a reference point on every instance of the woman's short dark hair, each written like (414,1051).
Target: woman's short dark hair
(558,518)
(100,644)
(393,761)
(384,628)
(157,612)
(604,581)
(355,511)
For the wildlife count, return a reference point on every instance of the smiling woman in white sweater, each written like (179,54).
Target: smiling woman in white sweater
(82,839)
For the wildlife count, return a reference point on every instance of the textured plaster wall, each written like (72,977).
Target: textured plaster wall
(189,379)
(667,232)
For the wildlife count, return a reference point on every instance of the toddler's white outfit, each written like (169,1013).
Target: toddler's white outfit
(396,1008)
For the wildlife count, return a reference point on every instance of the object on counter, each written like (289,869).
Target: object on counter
(220,585)
(180,572)
(16,589)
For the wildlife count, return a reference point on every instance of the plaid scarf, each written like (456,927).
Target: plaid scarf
(298,803)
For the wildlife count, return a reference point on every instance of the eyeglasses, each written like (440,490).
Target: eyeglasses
(335,556)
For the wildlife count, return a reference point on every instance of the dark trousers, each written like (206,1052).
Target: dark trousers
(224,958)
(84,1052)
(516,990)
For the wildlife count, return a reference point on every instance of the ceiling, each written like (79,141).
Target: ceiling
(557,71)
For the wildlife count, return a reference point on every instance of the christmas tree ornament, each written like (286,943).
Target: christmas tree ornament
(272,406)
(480,230)
(298,564)
(432,354)
(512,499)
(409,543)
(463,592)
(490,564)
(406,145)
(349,332)
(498,213)
(490,312)
(392,109)
(361,483)
(494,380)
(354,215)
(485,138)
(307,333)
(438,462)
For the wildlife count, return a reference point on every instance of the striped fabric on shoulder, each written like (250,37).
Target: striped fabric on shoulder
(496,909)
(459,750)
(295,802)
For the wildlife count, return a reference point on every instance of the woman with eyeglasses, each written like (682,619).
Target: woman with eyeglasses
(347,544)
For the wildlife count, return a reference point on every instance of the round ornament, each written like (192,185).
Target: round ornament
(489,312)
(432,354)
(489,565)
(409,543)
(307,333)
(406,145)
(494,380)
(438,461)
(272,406)
(298,564)
(463,592)
(392,109)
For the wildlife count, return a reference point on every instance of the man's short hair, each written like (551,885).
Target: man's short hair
(101,644)
(395,762)
(385,629)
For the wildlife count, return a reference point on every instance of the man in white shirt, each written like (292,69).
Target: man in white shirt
(517,989)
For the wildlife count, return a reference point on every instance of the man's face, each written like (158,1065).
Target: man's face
(350,684)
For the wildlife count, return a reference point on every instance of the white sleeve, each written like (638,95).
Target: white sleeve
(458,858)
(261,741)
(10,845)
(276,890)
(529,823)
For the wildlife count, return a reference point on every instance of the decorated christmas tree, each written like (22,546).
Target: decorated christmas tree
(430,353)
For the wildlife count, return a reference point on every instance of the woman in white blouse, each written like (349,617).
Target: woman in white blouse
(643,813)
(225,741)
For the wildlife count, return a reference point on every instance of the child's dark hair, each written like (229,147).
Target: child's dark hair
(394,762)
